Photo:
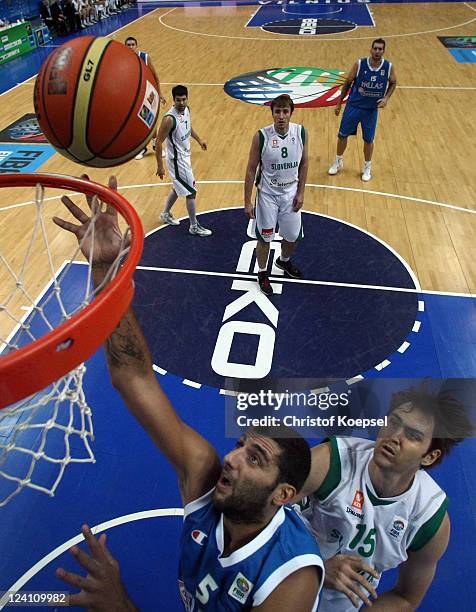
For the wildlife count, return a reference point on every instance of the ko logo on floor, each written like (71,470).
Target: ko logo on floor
(206,320)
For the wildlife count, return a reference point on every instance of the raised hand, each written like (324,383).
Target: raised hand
(102,589)
(104,245)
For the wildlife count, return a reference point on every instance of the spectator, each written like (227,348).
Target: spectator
(72,15)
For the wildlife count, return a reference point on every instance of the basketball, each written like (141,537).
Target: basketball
(96,101)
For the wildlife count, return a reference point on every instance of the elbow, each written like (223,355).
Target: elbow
(127,381)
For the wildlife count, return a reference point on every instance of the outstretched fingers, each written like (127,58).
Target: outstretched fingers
(77,212)
(89,197)
(75,580)
(112,184)
(70,227)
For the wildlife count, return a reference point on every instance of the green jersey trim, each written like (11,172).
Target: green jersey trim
(378,501)
(303,135)
(261,147)
(261,142)
(173,119)
(428,529)
(334,474)
(175,160)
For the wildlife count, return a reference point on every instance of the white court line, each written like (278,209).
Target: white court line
(434,87)
(389,195)
(281,279)
(240,182)
(59,550)
(18,85)
(297,38)
(38,299)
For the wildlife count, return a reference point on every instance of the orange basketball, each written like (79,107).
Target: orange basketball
(96,101)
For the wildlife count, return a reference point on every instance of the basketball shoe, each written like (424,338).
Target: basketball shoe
(336,166)
(264,284)
(141,154)
(198,230)
(289,268)
(169,219)
(366,176)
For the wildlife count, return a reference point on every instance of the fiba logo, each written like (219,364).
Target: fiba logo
(308,87)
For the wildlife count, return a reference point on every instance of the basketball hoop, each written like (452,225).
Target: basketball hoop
(41,357)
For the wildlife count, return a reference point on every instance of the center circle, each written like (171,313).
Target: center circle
(193,287)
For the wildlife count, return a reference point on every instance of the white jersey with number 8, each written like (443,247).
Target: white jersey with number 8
(280,157)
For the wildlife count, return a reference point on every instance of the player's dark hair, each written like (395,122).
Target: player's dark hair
(294,461)
(282,101)
(130,38)
(380,41)
(179,90)
(452,423)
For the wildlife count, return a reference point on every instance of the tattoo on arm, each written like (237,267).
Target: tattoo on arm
(125,348)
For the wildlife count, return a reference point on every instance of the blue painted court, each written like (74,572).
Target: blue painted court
(359,315)
(132,490)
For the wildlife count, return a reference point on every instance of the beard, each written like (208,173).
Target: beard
(246,504)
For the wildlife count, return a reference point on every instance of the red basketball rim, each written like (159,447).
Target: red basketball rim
(35,366)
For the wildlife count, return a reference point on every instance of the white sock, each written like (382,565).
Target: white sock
(367,164)
(171,199)
(191,211)
(284,258)
(339,157)
(261,269)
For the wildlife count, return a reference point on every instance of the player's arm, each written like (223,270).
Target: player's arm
(253,161)
(346,86)
(416,574)
(302,175)
(195,136)
(296,593)
(157,80)
(392,85)
(130,365)
(164,130)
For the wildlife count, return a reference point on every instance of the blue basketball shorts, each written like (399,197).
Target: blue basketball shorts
(351,118)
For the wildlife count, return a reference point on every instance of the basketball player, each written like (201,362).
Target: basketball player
(373,505)
(280,151)
(176,129)
(131,42)
(373,81)
(241,548)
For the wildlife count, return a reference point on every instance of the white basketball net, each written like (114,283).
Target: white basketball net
(44,433)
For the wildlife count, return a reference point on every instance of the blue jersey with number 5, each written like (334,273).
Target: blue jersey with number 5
(208,581)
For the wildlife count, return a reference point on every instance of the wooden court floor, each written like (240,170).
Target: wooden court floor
(421,199)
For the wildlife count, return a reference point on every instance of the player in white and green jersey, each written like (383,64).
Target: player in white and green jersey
(176,129)
(372,505)
(278,162)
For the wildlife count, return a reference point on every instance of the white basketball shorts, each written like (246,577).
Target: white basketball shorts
(180,170)
(272,211)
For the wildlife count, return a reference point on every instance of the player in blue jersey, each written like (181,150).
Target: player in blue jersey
(131,43)
(242,547)
(373,81)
